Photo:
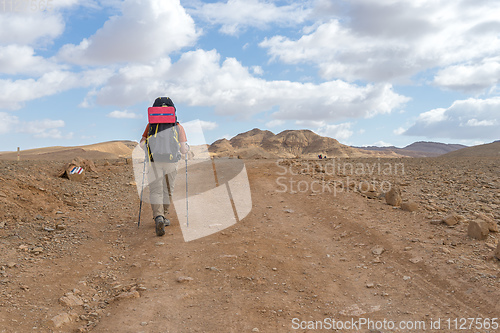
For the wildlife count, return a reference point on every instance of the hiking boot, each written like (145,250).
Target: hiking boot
(160,225)
(166,222)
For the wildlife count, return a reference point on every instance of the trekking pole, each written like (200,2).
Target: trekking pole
(142,190)
(187,201)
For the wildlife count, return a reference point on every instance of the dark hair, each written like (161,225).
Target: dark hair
(163,101)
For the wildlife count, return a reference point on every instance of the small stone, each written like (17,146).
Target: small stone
(48,229)
(406,278)
(436,222)
(182,279)
(37,250)
(478,229)
(126,295)
(2,225)
(370,285)
(416,260)
(144,323)
(255,329)
(393,197)
(492,225)
(11,264)
(452,219)
(60,320)
(60,227)
(70,300)
(497,251)
(378,250)
(409,206)
(275,269)
(289,211)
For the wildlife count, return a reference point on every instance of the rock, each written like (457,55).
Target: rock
(497,251)
(2,225)
(37,250)
(60,320)
(60,227)
(11,264)
(478,229)
(181,279)
(452,219)
(71,300)
(126,295)
(492,225)
(416,260)
(393,197)
(409,206)
(378,250)
(370,285)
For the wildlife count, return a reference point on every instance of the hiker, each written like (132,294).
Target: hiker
(164,139)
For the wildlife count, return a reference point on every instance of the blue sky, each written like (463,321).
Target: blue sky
(365,72)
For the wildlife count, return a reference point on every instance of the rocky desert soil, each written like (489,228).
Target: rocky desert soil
(321,242)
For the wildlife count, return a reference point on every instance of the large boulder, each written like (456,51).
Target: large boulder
(76,169)
(478,229)
(393,197)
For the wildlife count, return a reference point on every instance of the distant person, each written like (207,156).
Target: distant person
(320,156)
(164,139)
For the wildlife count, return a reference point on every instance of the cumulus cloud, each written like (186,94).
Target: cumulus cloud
(341,132)
(464,119)
(7,122)
(393,40)
(13,93)
(470,77)
(123,115)
(18,59)
(235,16)
(275,123)
(144,31)
(28,28)
(45,129)
(200,79)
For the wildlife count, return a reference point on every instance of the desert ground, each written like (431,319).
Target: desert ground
(319,245)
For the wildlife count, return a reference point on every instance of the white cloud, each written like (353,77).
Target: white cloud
(382,144)
(393,40)
(17,59)
(13,93)
(199,79)
(235,16)
(145,31)
(341,132)
(475,122)
(28,28)
(470,77)
(43,129)
(124,115)
(208,125)
(275,123)
(399,131)
(7,122)
(464,119)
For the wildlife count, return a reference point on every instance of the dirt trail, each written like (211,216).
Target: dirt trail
(302,255)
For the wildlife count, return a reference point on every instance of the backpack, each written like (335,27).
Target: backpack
(163,136)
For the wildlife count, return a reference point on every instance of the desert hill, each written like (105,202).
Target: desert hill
(486,150)
(287,144)
(104,150)
(419,149)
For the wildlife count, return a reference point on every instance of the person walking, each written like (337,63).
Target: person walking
(164,139)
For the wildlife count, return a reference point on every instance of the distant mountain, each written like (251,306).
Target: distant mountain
(419,149)
(433,147)
(486,150)
(287,144)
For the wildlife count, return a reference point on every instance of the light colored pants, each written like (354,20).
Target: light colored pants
(161,178)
